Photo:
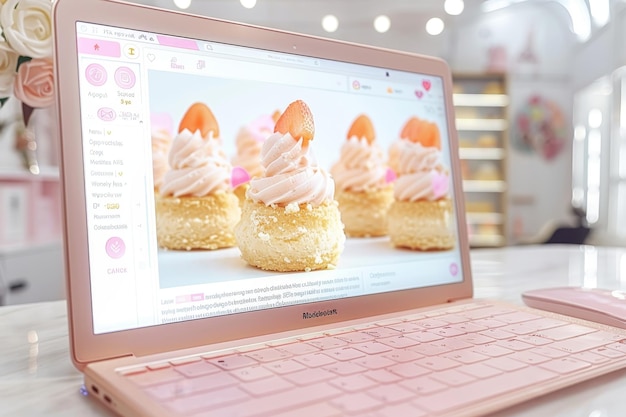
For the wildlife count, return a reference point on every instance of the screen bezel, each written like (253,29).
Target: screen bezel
(86,346)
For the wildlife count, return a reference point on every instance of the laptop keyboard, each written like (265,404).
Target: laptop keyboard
(428,364)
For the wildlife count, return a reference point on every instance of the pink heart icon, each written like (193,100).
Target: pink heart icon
(239,176)
(426,84)
(419,93)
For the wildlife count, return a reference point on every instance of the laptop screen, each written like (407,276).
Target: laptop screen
(223,179)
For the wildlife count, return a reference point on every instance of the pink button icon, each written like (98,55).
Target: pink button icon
(454,269)
(115,247)
(125,77)
(96,74)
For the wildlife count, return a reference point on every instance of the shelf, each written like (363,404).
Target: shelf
(482,218)
(481,100)
(482,153)
(474,186)
(491,125)
(486,240)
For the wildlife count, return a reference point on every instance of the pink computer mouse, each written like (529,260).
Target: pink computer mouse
(593,304)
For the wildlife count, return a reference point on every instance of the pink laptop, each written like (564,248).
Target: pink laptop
(261,223)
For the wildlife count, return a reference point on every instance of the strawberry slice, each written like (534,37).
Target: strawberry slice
(200,117)
(362,127)
(297,120)
(421,131)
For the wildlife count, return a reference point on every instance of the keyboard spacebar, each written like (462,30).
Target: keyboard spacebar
(278,402)
(483,389)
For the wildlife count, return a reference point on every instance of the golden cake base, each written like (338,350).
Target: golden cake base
(187,223)
(365,214)
(421,225)
(292,238)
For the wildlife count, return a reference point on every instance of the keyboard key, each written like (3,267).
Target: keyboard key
(314,360)
(517,317)
(372,348)
(432,323)
(193,386)
(452,377)
(356,403)
(549,352)
(505,364)
(609,353)
(251,373)
(160,376)
(269,355)
(483,389)
(299,348)
(580,343)
(620,346)
(498,334)
(381,332)
(391,394)
(466,356)
(356,337)
(353,383)
(513,344)
(345,368)
(195,403)
(447,331)
(422,337)
(399,342)
(374,362)
(328,343)
(423,385)
(233,362)
(383,376)
(564,332)
(469,327)
(344,353)
(266,386)
(284,367)
(565,365)
(402,355)
(409,370)
(437,363)
(529,357)
(485,312)
(491,350)
(479,370)
(272,404)
(476,338)
(309,376)
(454,318)
(534,340)
(407,327)
(195,369)
(591,357)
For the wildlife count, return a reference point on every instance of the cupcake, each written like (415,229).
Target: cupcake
(161,142)
(247,160)
(197,208)
(290,221)
(363,183)
(420,217)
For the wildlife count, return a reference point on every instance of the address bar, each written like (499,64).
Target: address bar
(208,65)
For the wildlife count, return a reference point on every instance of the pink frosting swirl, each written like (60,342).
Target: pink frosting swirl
(361,166)
(199,166)
(291,175)
(161,141)
(249,142)
(421,176)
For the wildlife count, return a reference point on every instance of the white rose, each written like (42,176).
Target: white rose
(27,26)
(8,64)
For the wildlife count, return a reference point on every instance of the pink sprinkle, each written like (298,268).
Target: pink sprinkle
(239,176)
(390,176)
(440,184)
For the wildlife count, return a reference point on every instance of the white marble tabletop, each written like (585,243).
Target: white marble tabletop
(38,379)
